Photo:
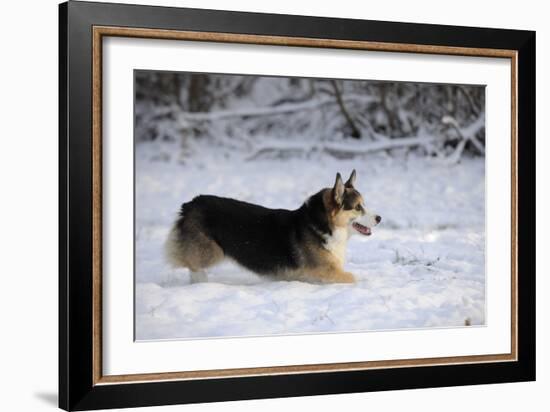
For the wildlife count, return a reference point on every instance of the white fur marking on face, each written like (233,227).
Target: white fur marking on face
(337,243)
(368,220)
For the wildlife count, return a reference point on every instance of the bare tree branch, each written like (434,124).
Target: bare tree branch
(355,132)
(341,149)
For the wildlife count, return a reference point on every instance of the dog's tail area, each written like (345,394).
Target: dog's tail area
(173,247)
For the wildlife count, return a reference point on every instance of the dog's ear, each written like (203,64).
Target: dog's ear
(351,180)
(338,190)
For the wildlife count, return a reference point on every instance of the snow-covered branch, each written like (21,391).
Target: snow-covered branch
(272,111)
(341,148)
(465,134)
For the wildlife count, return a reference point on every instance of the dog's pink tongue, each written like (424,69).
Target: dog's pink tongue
(362,229)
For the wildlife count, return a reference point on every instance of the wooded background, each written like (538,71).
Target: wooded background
(282,116)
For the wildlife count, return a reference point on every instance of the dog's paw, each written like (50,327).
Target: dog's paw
(345,277)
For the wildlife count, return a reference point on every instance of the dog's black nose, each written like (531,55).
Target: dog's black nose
(378,219)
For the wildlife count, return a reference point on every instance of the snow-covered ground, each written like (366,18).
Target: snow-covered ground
(424,265)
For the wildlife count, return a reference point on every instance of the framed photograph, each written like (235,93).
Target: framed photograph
(256,205)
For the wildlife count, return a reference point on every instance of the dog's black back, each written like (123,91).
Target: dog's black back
(239,228)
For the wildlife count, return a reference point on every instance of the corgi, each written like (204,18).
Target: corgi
(306,244)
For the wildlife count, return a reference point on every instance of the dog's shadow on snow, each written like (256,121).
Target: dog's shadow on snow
(230,275)
(252,280)
(182,278)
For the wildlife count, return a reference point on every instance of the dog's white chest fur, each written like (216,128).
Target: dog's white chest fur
(337,243)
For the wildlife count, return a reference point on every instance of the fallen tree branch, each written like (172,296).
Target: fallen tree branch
(270,110)
(342,149)
(465,134)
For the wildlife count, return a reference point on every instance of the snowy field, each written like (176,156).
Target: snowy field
(422,267)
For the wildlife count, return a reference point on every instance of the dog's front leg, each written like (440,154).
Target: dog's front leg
(341,276)
(331,274)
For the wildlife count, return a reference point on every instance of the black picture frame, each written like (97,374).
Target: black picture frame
(77,390)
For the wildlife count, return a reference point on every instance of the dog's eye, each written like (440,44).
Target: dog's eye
(358,208)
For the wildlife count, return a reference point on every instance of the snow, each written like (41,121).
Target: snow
(423,266)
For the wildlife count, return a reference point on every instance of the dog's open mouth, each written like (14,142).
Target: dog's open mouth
(364,230)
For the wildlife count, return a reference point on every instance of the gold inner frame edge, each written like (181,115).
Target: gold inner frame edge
(98,32)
